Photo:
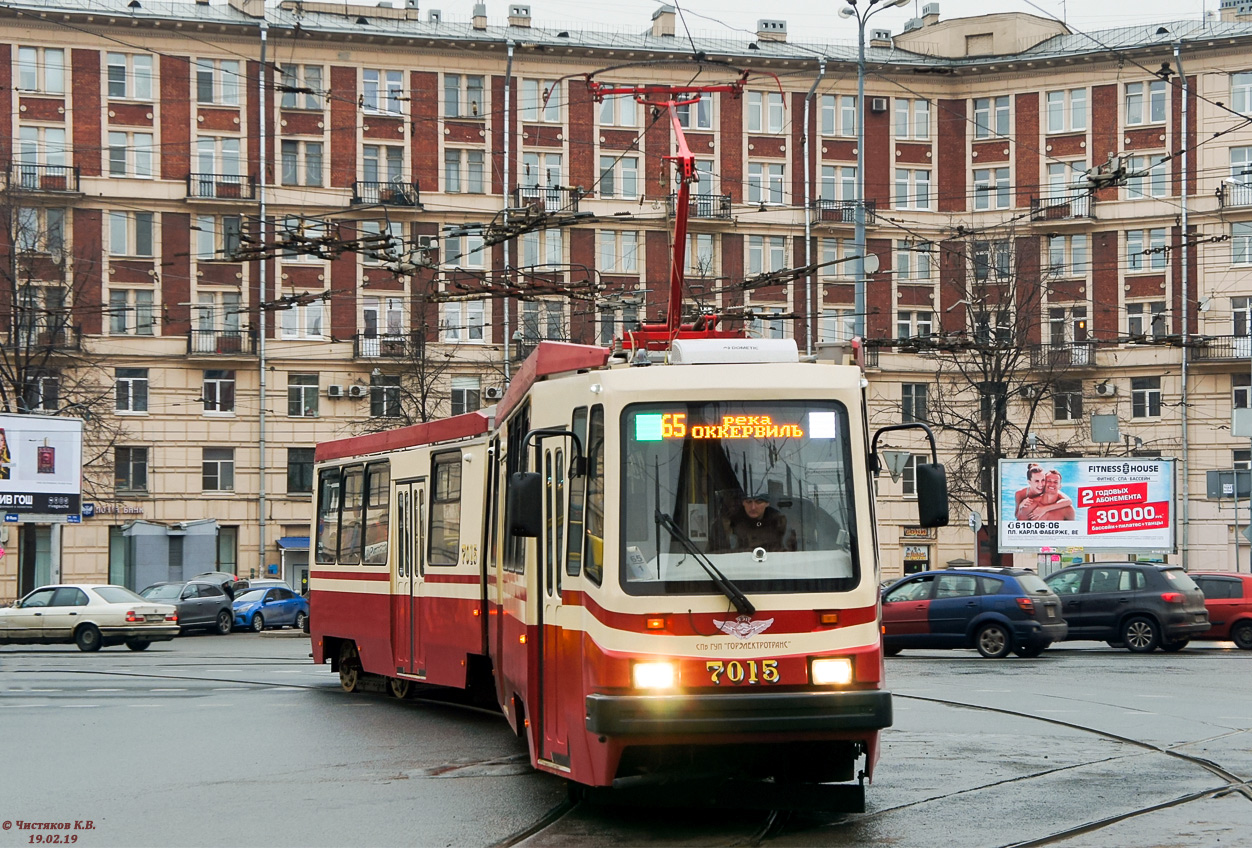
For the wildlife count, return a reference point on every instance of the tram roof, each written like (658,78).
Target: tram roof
(549,358)
(430,432)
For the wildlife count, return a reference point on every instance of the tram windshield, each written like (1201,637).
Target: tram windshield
(764,489)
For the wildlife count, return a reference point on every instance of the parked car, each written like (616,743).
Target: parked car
(1139,606)
(88,615)
(996,610)
(230,584)
(1228,598)
(276,606)
(266,583)
(200,604)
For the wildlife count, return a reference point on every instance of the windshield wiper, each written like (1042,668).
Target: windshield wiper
(730,590)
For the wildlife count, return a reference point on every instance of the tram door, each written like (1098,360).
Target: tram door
(554,731)
(408,568)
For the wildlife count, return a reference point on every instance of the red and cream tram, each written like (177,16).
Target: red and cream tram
(575,549)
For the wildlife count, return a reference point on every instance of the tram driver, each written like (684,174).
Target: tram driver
(753,522)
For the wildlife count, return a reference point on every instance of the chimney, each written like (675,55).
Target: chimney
(880,38)
(434,16)
(1236,10)
(480,16)
(251,8)
(930,14)
(519,16)
(663,22)
(411,12)
(767,30)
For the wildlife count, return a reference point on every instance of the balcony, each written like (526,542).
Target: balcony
(1067,355)
(392,193)
(1234,195)
(393,346)
(547,198)
(842,211)
(1220,348)
(51,178)
(220,187)
(45,340)
(221,342)
(707,206)
(1061,206)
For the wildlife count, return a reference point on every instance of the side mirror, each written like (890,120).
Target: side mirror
(932,495)
(525,504)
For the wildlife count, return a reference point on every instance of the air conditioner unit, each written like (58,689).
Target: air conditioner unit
(1106,389)
(1030,391)
(334,391)
(878,104)
(357,391)
(493,393)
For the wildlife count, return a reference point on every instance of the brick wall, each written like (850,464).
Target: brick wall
(953,169)
(731,164)
(343,126)
(85,90)
(1105,291)
(1027,148)
(87,270)
(175,116)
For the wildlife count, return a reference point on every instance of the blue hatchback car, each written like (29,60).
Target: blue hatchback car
(274,606)
(996,610)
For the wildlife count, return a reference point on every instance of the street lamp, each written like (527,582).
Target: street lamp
(862,11)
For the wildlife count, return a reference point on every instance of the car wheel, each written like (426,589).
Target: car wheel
(398,688)
(349,668)
(87,638)
(138,644)
(1141,635)
(1241,635)
(224,622)
(1173,647)
(993,642)
(258,623)
(1031,651)
(301,620)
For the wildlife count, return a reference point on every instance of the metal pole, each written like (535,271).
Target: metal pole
(261,499)
(1184,519)
(508,171)
(810,295)
(859,212)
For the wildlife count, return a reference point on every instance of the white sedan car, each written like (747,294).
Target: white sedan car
(89,616)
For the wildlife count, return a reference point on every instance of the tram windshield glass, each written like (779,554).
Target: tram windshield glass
(763,489)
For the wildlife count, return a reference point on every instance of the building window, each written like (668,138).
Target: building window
(383,163)
(838,115)
(465,251)
(834,264)
(130,469)
(992,328)
(627,318)
(1067,401)
(131,386)
(228,549)
(40,394)
(385,396)
(383,91)
(463,96)
(1145,318)
(40,230)
(912,119)
(130,154)
(914,261)
(129,76)
(1241,390)
(466,394)
(303,320)
(698,115)
(991,117)
(914,325)
(1145,250)
(912,188)
(381,241)
(1241,310)
(302,163)
(1241,92)
(464,321)
(218,81)
(838,182)
(218,390)
(130,312)
(541,169)
(908,479)
(218,470)
(382,317)
(546,324)
(217,156)
(301,86)
(541,101)
(1145,102)
(765,326)
(765,111)
(1066,110)
(619,252)
(217,237)
(543,248)
(1067,325)
(1241,243)
(619,110)
(701,257)
(1148,176)
(41,69)
(1145,397)
(912,402)
(837,325)
(463,171)
(299,471)
(619,177)
(302,395)
(1067,256)
(992,260)
(130,233)
(766,254)
(991,188)
(765,182)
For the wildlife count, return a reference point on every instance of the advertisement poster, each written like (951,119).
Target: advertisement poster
(1096,504)
(41,467)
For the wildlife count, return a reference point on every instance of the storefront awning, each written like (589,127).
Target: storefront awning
(294,543)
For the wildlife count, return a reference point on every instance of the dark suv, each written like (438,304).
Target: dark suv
(1139,606)
(996,610)
(200,604)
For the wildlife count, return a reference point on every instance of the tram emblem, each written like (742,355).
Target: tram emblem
(743,627)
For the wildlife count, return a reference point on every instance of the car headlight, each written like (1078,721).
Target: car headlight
(831,671)
(653,675)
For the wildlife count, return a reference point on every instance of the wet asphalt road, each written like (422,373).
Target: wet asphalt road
(240,740)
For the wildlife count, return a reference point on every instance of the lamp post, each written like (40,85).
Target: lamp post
(862,10)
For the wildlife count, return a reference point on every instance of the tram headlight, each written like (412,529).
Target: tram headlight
(831,671)
(653,675)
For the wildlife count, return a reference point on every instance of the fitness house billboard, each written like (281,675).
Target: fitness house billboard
(41,468)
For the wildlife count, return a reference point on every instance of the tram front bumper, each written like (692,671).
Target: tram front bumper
(758,712)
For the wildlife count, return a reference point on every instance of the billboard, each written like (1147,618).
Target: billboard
(41,468)
(1095,504)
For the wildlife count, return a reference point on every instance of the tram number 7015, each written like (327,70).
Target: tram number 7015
(747,671)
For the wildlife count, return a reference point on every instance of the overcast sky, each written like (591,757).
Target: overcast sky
(816,20)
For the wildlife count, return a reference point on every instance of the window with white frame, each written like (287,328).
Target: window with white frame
(1241,391)
(616,321)
(1241,315)
(217,236)
(463,171)
(131,233)
(466,395)
(218,81)
(41,69)
(838,182)
(301,163)
(40,230)
(465,251)
(540,169)
(382,163)
(1145,397)
(382,317)
(619,110)
(1067,256)
(1145,102)
(1067,324)
(301,231)
(302,395)
(915,324)
(383,91)
(766,254)
(912,188)
(129,76)
(701,262)
(1065,177)
(1146,250)
(301,86)
(218,312)
(130,312)
(218,155)
(991,116)
(833,253)
(914,260)
(698,115)
(130,389)
(913,402)
(303,320)
(130,154)
(385,396)
(1147,176)
(130,469)
(992,189)
(992,260)
(619,177)
(912,119)
(908,478)
(218,390)
(40,146)
(464,321)
(1067,401)
(766,182)
(463,96)
(992,326)
(765,111)
(1241,92)
(543,319)
(1066,110)
(218,470)
(619,252)
(543,248)
(764,326)
(837,324)
(1241,243)
(382,241)
(541,101)
(1147,318)
(838,112)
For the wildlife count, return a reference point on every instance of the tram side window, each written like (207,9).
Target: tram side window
(593,553)
(327,515)
(445,510)
(515,460)
(577,495)
(377,512)
(350,521)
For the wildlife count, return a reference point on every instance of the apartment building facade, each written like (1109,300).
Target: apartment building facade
(211,188)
